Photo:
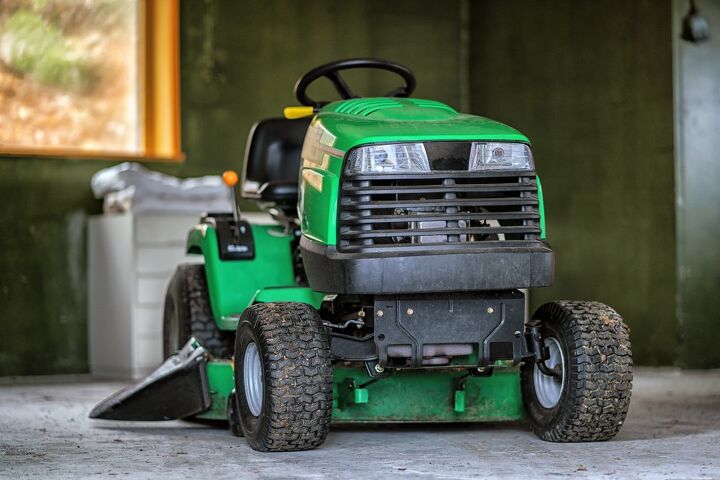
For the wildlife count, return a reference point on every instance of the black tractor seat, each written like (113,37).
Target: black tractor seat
(272,162)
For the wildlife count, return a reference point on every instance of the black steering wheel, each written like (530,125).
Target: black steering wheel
(332,70)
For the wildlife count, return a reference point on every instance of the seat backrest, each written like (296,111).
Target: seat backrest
(272,160)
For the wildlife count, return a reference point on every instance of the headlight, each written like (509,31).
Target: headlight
(398,157)
(500,156)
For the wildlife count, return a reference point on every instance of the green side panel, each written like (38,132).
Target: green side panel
(290,294)
(411,396)
(220,383)
(318,205)
(233,284)
(541,208)
(278,294)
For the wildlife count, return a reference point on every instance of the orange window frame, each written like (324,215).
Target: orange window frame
(160,21)
(159,95)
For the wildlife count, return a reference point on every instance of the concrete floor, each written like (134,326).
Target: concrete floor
(673,431)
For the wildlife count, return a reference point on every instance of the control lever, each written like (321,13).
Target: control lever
(230,177)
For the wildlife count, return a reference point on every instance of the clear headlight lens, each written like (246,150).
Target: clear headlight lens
(397,157)
(500,156)
(412,157)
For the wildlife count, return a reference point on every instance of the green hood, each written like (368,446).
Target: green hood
(381,120)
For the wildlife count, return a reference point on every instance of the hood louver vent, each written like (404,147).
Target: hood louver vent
(368,107)
(364,107)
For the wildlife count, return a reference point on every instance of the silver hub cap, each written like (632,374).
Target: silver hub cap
(548,389)
(252,379)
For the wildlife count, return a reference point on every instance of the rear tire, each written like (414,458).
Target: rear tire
(283,377)
(187,313)
(591,342)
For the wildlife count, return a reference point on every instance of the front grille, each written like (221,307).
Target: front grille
(446,208)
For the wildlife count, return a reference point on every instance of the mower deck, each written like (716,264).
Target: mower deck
(189,385)
(407,396)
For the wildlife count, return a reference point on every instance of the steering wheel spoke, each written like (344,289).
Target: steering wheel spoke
(340,85)
(332,70)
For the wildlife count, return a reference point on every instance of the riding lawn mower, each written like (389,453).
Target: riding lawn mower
(390,286)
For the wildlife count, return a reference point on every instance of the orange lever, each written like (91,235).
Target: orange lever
(230,177)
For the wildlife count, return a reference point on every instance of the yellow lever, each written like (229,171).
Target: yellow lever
(292,113)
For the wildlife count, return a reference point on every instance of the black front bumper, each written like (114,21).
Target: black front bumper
(453,268)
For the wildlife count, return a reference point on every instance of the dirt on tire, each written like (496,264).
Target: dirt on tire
(598,383)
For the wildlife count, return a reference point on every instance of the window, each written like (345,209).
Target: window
(89,78)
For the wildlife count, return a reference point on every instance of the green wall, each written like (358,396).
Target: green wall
(43,210)
(240,61)
(591,84)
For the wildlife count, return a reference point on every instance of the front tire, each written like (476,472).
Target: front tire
(283,377)
(590,346)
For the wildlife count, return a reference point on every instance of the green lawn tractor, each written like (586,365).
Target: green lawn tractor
(390,287)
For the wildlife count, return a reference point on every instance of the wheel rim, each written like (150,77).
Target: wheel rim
(549,389)
(252,379)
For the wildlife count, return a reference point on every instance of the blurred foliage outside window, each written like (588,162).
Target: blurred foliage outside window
(69,76)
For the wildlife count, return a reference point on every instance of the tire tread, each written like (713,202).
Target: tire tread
(600,372)
(189,286)
(296,348)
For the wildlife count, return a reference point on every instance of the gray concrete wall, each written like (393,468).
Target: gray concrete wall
(591,84)
(697,113)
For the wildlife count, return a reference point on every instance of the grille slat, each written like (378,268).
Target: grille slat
(403,211)
(406,189)
(439,217)
(439,231)
(459,202)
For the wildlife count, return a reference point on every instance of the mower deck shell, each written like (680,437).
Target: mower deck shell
(407,396)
